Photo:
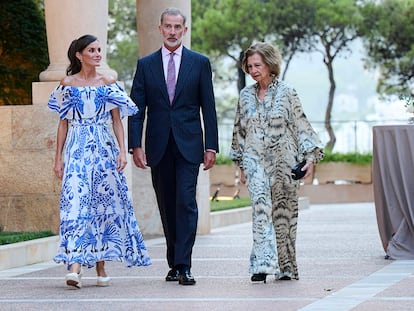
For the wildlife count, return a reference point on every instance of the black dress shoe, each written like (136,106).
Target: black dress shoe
(185,278)
(172,276)
(285,278)
(259,277)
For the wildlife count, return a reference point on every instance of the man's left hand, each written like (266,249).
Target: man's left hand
(209,160)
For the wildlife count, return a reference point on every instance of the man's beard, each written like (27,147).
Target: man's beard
(176,42)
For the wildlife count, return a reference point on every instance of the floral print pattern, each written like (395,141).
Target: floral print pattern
(97,217)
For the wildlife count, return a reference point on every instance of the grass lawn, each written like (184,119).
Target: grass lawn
(14,237)
(221,205)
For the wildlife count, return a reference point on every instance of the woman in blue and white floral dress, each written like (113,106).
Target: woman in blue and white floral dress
(97,219)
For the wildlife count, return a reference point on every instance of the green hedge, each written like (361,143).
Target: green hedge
(23,50)
(350,157)
(220,159)
(229,204)
(14,237)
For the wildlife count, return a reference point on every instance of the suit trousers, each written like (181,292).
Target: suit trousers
(175,181)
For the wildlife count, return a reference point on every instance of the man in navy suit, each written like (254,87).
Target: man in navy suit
(170,88)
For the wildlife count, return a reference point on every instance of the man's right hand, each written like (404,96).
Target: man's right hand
(139,157)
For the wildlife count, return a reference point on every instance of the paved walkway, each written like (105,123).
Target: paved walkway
(341,266)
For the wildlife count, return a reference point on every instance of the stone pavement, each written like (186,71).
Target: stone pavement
(341,266)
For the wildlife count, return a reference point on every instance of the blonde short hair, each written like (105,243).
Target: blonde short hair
(270,54)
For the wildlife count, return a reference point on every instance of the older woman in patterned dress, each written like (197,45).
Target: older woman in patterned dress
(271,134)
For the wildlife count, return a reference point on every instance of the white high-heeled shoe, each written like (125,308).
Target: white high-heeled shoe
(103,281)
(74,279)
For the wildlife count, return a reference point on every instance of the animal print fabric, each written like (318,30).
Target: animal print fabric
(269,138)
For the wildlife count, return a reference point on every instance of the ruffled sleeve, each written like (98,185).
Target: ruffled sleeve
(55,99)
(90,101)
(114,96)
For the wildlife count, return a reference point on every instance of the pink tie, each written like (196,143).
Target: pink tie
(171,78)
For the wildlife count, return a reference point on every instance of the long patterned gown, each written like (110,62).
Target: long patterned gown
(97,219)
(269,138)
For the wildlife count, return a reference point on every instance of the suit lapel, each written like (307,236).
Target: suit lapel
(185,67)
(158,72)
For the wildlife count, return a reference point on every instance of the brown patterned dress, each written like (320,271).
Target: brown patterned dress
(269,138)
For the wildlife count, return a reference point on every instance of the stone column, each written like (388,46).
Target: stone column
(67,20)
(148,19)
(31,201)
(149,40)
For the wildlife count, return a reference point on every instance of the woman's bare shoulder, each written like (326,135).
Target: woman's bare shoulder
(108,79)
(74,80)
(67,81)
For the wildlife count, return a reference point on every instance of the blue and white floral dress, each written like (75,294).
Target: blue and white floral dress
(97,219)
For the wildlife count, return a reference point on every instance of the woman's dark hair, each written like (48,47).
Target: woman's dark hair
(78,45)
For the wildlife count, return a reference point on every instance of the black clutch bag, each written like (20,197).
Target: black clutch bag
(297,172)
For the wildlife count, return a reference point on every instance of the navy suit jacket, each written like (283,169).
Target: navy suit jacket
(194,92)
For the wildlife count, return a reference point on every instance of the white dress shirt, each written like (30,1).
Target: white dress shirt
(177,60)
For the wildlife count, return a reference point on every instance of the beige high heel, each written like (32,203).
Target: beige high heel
(103,281)
(74,279)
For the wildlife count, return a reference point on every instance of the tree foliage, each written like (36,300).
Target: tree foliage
(290,26)
(122,39)
(335,26)
(223,29)
(326,26)
(23,50)
(388,30)
(228,27)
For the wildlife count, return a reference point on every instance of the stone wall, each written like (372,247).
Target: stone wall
(333,194)
(29,192)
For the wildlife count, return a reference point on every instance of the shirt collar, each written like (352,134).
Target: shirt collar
(272,84)
(166,52)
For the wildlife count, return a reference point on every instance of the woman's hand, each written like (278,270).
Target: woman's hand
(121,162)
(308,167)
(242,177)
(58,168)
